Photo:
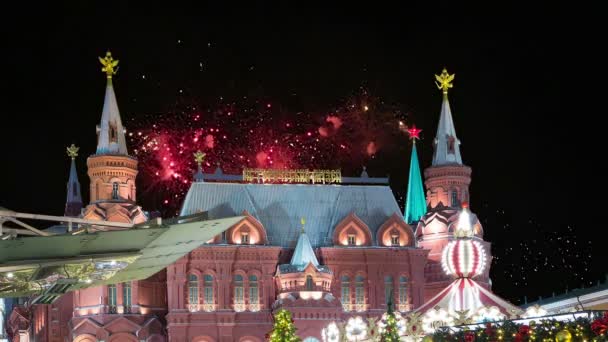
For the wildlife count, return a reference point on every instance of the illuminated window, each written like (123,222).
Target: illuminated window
(254,294)
(208,289)
(388,288)
(345,290)
(395,239)
(454,198)
(244,238)
(351,240)
(238,289)
(359,290)
(309,283)
(126,296)
(192,289)
(402,290)
(112,296)
(115,190)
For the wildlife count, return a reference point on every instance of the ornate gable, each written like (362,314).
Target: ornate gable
(395,232)
(352,231)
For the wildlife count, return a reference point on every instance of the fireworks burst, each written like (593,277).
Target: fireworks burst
(256,133)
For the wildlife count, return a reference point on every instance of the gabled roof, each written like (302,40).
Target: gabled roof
(279,207)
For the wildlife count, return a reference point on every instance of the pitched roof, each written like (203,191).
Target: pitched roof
(279,207)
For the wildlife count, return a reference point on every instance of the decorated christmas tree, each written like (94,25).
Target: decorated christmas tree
(284,329)
(390,332)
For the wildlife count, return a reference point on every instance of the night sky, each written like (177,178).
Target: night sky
(277,77)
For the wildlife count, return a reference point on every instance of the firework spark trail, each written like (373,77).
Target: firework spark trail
(255,133)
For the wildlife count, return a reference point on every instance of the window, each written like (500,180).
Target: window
(115,190)
(254,294)
(388,289)
(238,289)
(359,290)
(395,239)
(224,237)
(112,134)
(74,190)
(451,142)
(245,238)
(208,289)
(309,283)
(126,296)
(402,290)
(345,291)
(454,198)
(351,240)
(112,298)
(192,289)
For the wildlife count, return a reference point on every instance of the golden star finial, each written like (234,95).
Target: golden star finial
(72,151)
(109,65)
(444,81)
(199,157)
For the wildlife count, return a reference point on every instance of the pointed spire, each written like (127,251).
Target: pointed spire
(304,254)
(415,202)
(73,204)
(198,158)
(446,144)
(111,133)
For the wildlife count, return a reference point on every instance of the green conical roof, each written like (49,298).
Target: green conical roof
(415,203)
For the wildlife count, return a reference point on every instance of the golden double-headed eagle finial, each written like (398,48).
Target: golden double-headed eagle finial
(72,151)
(199,157)
(110,65)
(444,81)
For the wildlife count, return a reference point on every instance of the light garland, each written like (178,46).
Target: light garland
(356,329)
(488,313)
(436,318)
(331,333)
(463,258)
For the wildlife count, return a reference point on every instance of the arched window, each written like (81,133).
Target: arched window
(402,290)
(97,194)
(245,238)
(360,292)
(192,289)
(309,283)
(254,294)
(112,298)
(388,289)
(239,301)
(208,290)
(345,294)
(454,198)
(126,297)
(115,190)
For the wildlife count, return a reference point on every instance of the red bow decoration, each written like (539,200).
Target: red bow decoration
(469,336)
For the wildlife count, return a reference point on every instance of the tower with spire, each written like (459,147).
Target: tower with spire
(447,183)
(111,169)
(415,203)
(73,203)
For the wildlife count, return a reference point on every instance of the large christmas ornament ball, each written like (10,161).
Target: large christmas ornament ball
(563,336)
(463,258)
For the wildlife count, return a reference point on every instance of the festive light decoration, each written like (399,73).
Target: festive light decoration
(582,329)
(486,314)
(534,311)
(284,328)
(356,329)
(436,318)
(463,258)
(391,326)
(331,333)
